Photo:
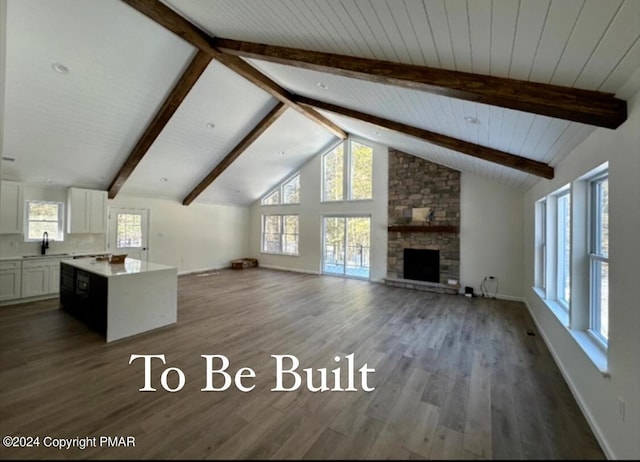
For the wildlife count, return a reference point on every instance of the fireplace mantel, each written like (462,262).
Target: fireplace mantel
(423,228)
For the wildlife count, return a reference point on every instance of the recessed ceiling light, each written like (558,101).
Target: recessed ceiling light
(60,68)
(472,120)
(322,85)
(8,159)
(164,179)
(211,125)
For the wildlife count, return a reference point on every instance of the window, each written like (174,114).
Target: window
(287,192)
(563,248)
(291,191)
(333,171)
(280,234)
(41,217)
(599,258)
(272,199)
(351,174)
(572,260)
(361,180)
(541,245)
(128,230)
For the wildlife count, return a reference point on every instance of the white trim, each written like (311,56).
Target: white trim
(201,270)
(574,391)
(292,270)
(510,298)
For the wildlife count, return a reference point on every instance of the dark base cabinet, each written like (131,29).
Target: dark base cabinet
(84,295)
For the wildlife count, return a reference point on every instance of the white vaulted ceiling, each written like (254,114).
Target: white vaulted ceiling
(79,128)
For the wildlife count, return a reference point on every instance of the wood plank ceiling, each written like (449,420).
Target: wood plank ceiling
(498,88)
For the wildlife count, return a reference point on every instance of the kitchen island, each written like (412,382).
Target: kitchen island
(120,300)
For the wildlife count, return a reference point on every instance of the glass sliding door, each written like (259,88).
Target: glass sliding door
(346,246)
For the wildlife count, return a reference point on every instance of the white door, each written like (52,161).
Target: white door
(128,232)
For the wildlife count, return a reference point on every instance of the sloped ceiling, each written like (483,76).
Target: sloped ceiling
(79,128)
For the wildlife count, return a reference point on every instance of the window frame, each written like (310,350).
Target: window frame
(323,189)
(281,234)
(284,184)
(279,189)
(541,246)
(351,172)
(596,258)
(59,237)
(563,236)
(578,318)
(347,171)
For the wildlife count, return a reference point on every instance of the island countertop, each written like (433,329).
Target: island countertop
(106,269)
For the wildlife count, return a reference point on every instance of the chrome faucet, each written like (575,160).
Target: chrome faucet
(45,243)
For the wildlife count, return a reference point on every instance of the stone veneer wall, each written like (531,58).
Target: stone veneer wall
(413,183)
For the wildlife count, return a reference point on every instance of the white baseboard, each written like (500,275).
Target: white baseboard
(567,378)
(294,270)
(201,270)
(498,296)
(510,297)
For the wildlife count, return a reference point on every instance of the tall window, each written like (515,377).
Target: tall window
(572,258)
(287,192)
(563,249)
(333,171)
(349,176)
(541,245)
(599,257)
(41,217)
(361,166)
(280,234)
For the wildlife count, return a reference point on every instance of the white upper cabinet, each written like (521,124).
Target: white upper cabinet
(98,212)
(86,211)
(11,207)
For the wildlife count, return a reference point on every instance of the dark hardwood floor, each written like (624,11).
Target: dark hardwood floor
(455,378)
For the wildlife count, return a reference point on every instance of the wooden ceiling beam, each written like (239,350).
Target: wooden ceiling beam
(481,152)
(200,39)
(187,80)
(585,106)
(253,135)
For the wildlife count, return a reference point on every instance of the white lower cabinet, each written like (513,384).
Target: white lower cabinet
(54,279)
(40,277)
(35,278)
(10,280)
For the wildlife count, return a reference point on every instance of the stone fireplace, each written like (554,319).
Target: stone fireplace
(424,215)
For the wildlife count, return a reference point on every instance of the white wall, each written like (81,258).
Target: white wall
(491,235)
(192,238)
(599,395)
(3,55)
(311,210)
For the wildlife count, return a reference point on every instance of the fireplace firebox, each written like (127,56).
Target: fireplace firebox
(422,265)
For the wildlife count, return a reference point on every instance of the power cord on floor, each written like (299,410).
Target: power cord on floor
(489,286)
